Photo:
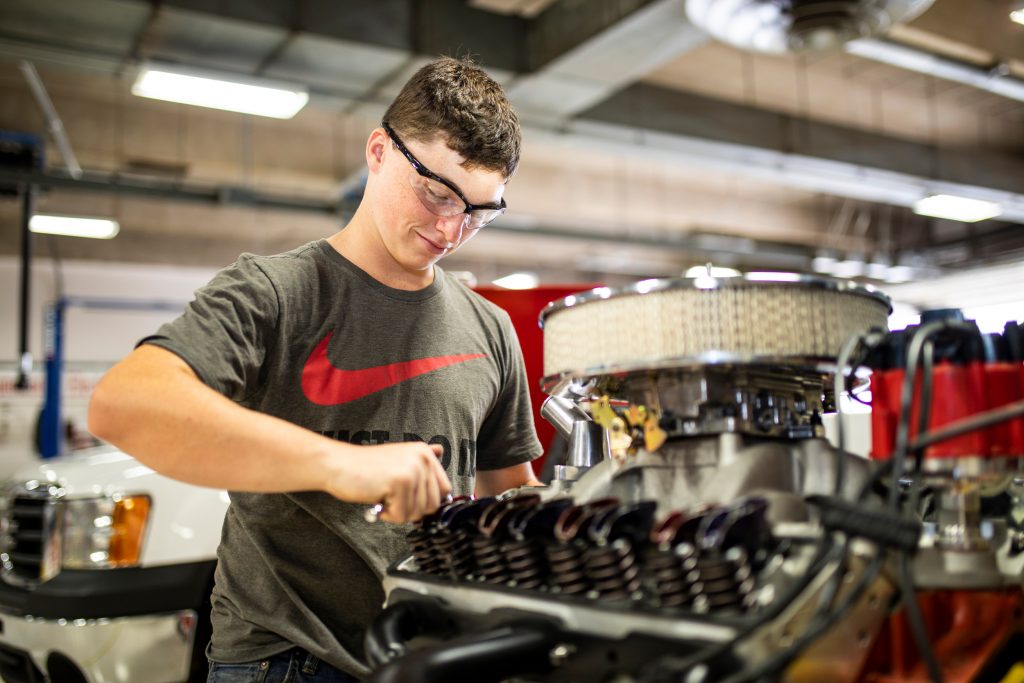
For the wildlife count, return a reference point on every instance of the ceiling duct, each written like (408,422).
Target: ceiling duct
(798,25)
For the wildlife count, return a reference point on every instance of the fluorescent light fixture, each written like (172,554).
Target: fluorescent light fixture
(74,226)
(956,208)
(241,94)
(518,281)
(1017,15)
(710,271)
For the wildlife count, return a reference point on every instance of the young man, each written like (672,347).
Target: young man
(347,372)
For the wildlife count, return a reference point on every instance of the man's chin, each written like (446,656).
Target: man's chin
(420,265)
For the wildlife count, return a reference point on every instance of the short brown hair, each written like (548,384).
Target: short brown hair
(457,98)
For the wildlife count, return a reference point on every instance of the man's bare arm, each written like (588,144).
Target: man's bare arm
(493,482)
(154,407)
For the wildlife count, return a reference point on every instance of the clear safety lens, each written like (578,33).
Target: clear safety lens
(441,201)
(436,198)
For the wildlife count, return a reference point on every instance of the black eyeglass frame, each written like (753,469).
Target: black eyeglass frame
(427,173)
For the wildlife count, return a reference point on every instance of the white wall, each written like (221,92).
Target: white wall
(991,296)
(93,339)
(91,335)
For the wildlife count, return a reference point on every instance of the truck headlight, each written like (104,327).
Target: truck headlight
(103,533)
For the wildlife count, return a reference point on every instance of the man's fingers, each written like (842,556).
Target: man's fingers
(444,486)
(417,487)
(433,491)
(424,504)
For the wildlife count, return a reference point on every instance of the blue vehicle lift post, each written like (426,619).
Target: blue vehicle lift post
(51,427)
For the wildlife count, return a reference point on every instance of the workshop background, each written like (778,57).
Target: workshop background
(650,148)
(653,148)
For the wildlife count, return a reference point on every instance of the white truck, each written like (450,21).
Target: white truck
(106,572)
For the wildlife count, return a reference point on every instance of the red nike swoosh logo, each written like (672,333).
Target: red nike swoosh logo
(326,385)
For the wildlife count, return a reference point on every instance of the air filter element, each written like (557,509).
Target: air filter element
(800,320)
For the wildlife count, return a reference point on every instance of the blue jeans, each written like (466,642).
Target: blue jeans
(291,666)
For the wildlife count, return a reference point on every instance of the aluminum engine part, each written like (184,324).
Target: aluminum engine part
(779,401)
(717,470)
(692,519)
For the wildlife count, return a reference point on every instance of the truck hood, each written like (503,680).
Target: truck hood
(102,470)
(184,520)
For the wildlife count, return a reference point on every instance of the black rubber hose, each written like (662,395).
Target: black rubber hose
(520,649)
(386,638)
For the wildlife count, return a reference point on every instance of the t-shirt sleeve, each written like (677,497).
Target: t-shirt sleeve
(508,436)
(223,334)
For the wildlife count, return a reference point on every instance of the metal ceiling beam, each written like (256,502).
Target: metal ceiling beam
(386,23)
(135,51)
(97,60)
(432,27)
(567,24)
(437,27)
(144,187)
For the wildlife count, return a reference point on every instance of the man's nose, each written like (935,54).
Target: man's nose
(451,227)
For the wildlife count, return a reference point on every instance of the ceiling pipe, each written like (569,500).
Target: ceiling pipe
(621,53)
(53,122)
(996,80)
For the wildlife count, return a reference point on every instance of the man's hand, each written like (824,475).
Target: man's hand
(406,477)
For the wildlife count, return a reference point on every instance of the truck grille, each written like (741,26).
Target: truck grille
(29,539)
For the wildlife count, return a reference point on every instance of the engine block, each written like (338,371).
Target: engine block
(702,528)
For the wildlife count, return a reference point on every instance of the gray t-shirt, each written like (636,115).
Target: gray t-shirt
(308,337)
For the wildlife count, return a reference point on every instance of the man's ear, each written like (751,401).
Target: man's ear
(375,146)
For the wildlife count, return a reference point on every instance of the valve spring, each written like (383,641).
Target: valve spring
(525,561)
(490,565)
(422,543)
(454,551)
(722,582)
(666,572)
(568,571)
(613,570)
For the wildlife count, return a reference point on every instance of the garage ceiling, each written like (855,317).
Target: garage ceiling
(649,147)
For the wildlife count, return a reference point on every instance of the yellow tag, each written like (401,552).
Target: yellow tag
(1015,674)
(654,436)
(636,415)
(601,411)
(633,416)
(618,426)
(620,439)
